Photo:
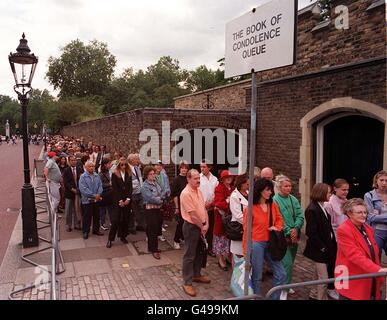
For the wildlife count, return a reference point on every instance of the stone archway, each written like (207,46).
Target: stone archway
(340,105)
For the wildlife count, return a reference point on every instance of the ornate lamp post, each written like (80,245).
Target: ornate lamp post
(23,65)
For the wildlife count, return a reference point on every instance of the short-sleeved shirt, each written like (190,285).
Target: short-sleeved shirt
(192,203)
(54,173)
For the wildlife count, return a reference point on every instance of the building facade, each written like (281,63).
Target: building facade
(322,118)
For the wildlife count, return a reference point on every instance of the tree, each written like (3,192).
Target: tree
(72,110)
(81,70)
(203,78)
(40,104)
(156,87)
(9,110)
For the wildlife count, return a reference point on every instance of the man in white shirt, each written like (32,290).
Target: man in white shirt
(208,183)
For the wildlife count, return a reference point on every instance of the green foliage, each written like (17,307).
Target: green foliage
(72,110)
(84,76)
(203,78)
(9,110)
(81,70)
(155,88)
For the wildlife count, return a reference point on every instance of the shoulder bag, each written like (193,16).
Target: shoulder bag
(277,241)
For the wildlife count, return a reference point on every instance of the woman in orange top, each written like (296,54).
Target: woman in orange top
(263,206)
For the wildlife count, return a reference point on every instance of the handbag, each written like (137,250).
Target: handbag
(233,229)
(277,242)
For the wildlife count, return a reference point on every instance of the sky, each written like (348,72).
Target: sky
(138,33)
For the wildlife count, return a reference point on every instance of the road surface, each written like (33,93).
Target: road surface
(11,181)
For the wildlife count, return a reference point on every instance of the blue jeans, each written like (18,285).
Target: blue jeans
(259,253)
(381,240)
(102,214)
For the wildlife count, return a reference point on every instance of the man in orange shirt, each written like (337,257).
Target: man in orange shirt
(195,227)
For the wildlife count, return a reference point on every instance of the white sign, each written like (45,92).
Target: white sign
(261,39)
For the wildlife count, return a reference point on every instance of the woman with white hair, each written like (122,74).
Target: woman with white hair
(357,253)
(293,221)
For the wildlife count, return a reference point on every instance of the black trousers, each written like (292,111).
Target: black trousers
(193,255)
(138,211)
(90,211)
(120,222)
(331,272)
(210,231)
(131,220)
(154,220)
(179,229)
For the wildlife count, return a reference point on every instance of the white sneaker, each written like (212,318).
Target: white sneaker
(284,295)
(176,245)
(291,291)
(162,238)
(163,229)
(333,294)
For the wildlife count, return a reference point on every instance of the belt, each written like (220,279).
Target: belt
(149,206)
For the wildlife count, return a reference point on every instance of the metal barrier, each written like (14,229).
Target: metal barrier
(57,262)
(310,283)
(325,281)
(41,200)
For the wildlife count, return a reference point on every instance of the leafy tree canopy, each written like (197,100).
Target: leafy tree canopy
(81,70)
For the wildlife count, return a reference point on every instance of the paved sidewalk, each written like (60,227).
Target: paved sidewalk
(125,271)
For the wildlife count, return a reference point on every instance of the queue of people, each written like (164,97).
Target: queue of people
(101,192)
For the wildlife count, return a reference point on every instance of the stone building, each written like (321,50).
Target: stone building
(320,119)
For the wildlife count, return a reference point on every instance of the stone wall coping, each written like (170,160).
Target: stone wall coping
(213,89)
(164,111)
(307,9)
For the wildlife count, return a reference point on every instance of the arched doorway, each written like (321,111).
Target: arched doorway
(349,146)
(346,106)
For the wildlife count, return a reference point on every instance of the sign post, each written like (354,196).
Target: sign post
(262,39)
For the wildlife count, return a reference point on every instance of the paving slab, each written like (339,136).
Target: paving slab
(104,253)
(142,246)
(146,261)
(5,290)
(91,267)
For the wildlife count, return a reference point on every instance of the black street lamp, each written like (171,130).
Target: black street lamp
(23,65)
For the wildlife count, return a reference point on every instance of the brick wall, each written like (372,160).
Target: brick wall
(281,103)
(121,132)
(281,106)
(365,39)
(228,97)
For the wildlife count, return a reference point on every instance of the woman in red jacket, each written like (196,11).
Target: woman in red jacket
(221,244)
(357,253)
